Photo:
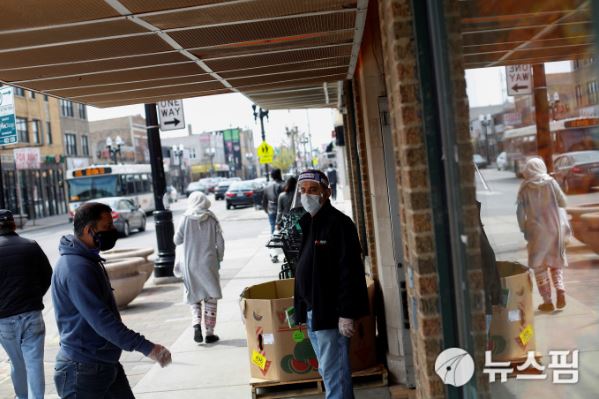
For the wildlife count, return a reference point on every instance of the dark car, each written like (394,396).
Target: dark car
(221,189)
(210,183)
(126,216)
(196,186)
(577,171)
(240,194)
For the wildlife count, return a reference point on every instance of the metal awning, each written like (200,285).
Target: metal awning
(525,31)
(279,53)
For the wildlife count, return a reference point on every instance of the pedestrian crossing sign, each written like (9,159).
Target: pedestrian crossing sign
(265,153)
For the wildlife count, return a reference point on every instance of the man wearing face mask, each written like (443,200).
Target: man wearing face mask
(330,288)
(92,335)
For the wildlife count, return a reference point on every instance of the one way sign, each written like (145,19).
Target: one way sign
(519,79)
(171,115)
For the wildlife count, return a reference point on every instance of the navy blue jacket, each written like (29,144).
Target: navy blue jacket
(89,323)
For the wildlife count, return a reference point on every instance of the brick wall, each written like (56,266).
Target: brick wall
(414,188)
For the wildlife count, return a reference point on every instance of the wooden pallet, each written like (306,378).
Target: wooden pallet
(368,378)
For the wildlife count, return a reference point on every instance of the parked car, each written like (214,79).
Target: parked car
(480,161)
(240,193)
(501,161)
(126,215)
(221,189)
(196,186)
(577,171)
(210,183)
(173,194)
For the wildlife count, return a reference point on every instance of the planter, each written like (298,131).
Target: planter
(584,220)
(126,278)
(146,267)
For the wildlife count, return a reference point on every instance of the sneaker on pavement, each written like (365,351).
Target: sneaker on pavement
(210,339)
(197,334)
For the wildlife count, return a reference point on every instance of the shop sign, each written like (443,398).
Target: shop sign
(8,126)
(27,158)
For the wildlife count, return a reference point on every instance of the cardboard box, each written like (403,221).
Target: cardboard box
(278,352)
(512,333)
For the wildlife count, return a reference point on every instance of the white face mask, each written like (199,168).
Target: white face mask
(311,203)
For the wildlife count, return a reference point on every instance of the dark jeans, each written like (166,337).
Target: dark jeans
(76,380)
(272,218)
(334,191)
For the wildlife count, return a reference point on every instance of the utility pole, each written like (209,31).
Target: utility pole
(2,204)
(262,113)
(544,141)
(165,230)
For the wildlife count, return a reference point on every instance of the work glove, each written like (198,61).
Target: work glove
(346,327)
(160,355)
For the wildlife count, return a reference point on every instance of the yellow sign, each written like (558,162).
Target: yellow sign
(259,360)
(265,153)
(526,334)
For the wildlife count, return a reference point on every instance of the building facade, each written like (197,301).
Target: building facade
(75,134)
(130,129)
(37,190)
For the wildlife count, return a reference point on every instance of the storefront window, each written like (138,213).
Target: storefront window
(533,93)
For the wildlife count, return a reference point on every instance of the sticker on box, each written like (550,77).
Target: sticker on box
(259,360)
(514,315)
(268,339)
(298,336)
(526,335)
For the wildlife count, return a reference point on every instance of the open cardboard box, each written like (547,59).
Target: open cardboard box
(282,353)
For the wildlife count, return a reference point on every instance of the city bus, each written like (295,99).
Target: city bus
(567,135)
(133,182)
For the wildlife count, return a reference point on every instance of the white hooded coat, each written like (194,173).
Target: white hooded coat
(203,247)
(539,200)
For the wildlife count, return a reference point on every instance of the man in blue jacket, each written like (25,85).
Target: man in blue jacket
(92,335)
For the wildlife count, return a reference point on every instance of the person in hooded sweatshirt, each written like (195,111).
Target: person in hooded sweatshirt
(539,200)
(92,334)
(202,246)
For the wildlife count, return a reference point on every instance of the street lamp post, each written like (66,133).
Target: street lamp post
(165,230)
(261,113)
(211,152)
(485,121)
(114,147)
(178,152)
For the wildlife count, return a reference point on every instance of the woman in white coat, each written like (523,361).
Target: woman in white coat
(539,201)
(198,262)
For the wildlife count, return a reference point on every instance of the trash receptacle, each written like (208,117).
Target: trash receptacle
(512,333)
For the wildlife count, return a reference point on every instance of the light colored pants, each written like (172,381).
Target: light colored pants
(544,282)
(210,306)
(22,337)
(332,352)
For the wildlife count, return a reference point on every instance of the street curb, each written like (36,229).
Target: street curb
(38,228)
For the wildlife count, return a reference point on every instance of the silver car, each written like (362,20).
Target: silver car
(126,215)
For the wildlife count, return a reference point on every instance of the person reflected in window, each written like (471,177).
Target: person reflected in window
(539,201)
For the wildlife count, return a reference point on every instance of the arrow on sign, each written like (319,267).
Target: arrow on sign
(518,87)
(174,122)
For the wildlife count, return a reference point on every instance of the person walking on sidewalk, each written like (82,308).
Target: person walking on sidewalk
(332,176)
(271,197)
(330,287)
(203,248)
(539,201)
(25,276)
(92,334)
(285,200)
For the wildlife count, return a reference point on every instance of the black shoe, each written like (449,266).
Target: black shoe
(197,334)
(210,339)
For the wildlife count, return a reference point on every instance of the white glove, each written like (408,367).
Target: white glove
(346,327)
